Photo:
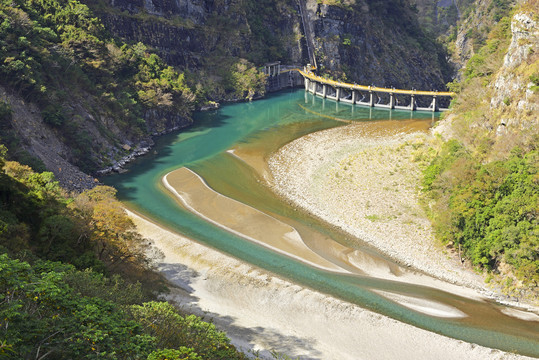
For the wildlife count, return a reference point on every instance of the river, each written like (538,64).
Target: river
(259,128)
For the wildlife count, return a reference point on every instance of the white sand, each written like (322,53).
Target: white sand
(261,311)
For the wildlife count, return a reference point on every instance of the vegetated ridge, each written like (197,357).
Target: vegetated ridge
(76,280)
(482,188)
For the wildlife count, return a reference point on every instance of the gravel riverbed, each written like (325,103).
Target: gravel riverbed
(368,186)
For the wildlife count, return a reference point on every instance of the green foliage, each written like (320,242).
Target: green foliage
(43,316)
(491,209)
(163,321)
(246,81)
(266,45)
(52,310)
(5,112)
(91,230)
(451,151)
(534,78)
(489,57)
(182,353)
(56,53)
(53,115)
(499,8)
(482,197)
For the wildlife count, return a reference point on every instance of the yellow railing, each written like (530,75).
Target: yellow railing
(319,79)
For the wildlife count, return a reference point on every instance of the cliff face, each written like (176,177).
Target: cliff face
(191,33)
(499,99)
(516,95)
(363,41)
(380,43)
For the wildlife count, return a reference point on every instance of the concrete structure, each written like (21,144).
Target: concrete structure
(272,69)
(281,76)
(354,94)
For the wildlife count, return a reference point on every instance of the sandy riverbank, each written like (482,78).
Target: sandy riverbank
(263,312)
(368,186)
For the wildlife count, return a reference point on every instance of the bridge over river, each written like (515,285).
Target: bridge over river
(372,96)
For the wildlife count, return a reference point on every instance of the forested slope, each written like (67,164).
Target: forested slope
(94,94)
(483,187)
(76,281)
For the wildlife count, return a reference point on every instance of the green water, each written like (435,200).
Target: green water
(268,124)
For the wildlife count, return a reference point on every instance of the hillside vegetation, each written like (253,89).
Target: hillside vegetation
(75,280)
(98,95)
(57,55)
(482,188)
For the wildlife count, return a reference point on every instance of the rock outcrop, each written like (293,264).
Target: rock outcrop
(42,142)
(363,40)
(377,43)
(516,99)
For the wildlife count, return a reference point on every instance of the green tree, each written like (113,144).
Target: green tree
(41,317)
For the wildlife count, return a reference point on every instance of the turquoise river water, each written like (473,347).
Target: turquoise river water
(264,126)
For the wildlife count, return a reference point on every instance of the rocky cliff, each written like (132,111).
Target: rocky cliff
(515,101)
(364,41)
(499,98)
(377,42)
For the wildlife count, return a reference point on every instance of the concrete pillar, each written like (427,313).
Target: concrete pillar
(338,93)
(354,96)
(371,99)
(412,102)
(434,104)
(324,90)
(391,100)
(306,83)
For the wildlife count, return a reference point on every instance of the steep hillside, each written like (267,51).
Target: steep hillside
(377,42)
(363,41)
(483,186)
(71,94)
(461,25)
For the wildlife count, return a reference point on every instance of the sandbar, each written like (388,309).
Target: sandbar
(264,312)
(241,219)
